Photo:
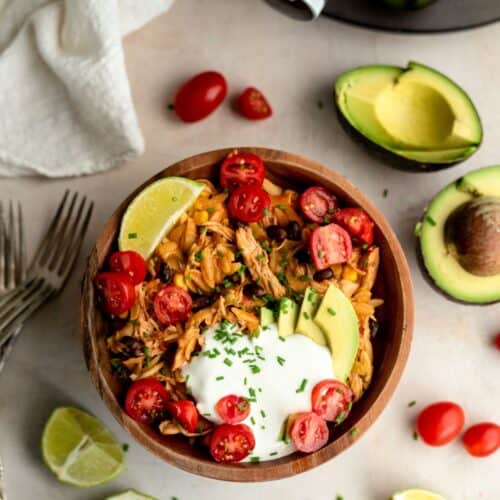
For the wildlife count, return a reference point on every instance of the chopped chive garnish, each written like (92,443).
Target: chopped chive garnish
(302,386)
(254,459)
(252,420)
(210,210)
(251,391)
(415,435)
(353,431)
(245,381)
(228,362)
(411,403)
(263,413)
(273,454)
(282,338)
(340,418)
(220,377)
(331,311)
(207,414)
(198,256)
(280,360)
(430,220)
(306,315)
(125,447)
(281,206)
(385,192)
(132,236)
(254,368)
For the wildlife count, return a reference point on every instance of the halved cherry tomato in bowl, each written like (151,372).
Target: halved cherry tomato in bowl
(248,204)
(233,409)
(241,169)
(308,431)
(318,204)
(440,423)
(129,262)
(482,439)
(185,413)
(356,222)
(231,443)
(200,96)
(116,291)
(253,105)
(329,245)
(146,400)
(172,304)
(331,400)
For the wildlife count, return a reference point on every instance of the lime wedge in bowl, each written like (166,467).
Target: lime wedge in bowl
(130,495)
(154,211)
(416,494)
(79,450)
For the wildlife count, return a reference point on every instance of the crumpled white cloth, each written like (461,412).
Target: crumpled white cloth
(65,103)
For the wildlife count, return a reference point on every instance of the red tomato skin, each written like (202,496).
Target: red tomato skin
(331,400)
(248,204)
(309,432)
(356,222)
(185,413)
(497,341)
(149,392)
(338,242)
(231,443)
(317,197)
(233,409)
(440,423)
(482,439)
(253,105)
(172,304)
(200,96)
(129,262)
(117,291)
(241,170)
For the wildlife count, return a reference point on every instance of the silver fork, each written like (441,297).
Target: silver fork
(51,266)
(2,488)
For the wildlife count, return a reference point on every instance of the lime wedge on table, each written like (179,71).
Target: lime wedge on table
(416,494)
(79,450)
(154,211)
(130,495)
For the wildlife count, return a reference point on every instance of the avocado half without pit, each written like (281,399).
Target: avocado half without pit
(415,118)
(459,238)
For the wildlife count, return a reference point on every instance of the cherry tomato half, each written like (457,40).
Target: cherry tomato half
(331,400)
(116,290)
(482,439)
(318,204)
(185,413)
(356,222)
(309,432)
(200,96)
(233,409)
(172,304)
(146,400)
(129,262)
(248,204)
(231,443)
(241,169)
(253,105)
(440,423)
(329,245)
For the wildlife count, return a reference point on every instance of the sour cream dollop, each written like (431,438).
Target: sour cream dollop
(275,374)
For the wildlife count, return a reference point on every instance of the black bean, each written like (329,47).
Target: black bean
(165,273)
(325,274)
(134,347)
(236,224)
(302,255)
(374,326)
(277,233)
(253,290)
(293,231)
(201,301)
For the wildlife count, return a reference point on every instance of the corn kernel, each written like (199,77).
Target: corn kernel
(337,270)
(350,274)
(180,281)
(198,205)
(200,216)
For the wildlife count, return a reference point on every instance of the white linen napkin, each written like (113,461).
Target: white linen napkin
(65,103)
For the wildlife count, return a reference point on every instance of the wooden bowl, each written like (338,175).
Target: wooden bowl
(391,344)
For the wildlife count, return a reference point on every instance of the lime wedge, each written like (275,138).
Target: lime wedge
(130,495)
(154,211)
(79,450)
(416,494)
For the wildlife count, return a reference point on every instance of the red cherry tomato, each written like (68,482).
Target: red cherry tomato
(199,96)
(231,443)
(497,341)
(241,169)
(248,204)
(117,291)
(129,262)
(146,400)
(440,423)
(482,439)
(309,432)
(233,409)
(253,105)
(356,222)
(185,413)
(318,205)
(172,304)
(329,245)
(331,400)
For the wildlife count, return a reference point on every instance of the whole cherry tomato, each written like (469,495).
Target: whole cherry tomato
(440,423)
(129,262)
(482,439)
(116,290)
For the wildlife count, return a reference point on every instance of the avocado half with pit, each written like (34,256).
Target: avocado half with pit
(459,238)
(415,118)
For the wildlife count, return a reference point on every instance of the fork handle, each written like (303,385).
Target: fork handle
(6,351)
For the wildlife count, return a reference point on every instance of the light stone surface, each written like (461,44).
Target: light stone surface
(295,65)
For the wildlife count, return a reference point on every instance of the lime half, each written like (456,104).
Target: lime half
(154,211)
(416,494)
(130,495)
(79,450)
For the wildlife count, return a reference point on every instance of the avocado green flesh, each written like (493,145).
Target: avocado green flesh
(442,267)
(410,112)
(287,317)
(305,323)
(266,317)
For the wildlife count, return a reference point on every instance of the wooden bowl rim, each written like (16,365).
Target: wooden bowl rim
(295,463)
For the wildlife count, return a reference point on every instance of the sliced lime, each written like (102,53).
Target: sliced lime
(79,450)
(130,495)
(154,211)
(416,494)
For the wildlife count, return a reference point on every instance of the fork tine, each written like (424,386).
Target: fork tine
(3,283)
(21,251)
(11,242)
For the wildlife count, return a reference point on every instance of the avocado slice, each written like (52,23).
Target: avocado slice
(338,321)
(287,317)
(415,117)
(305,323)
(438,255)
(266,316)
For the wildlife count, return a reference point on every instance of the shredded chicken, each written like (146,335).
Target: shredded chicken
(371,269)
